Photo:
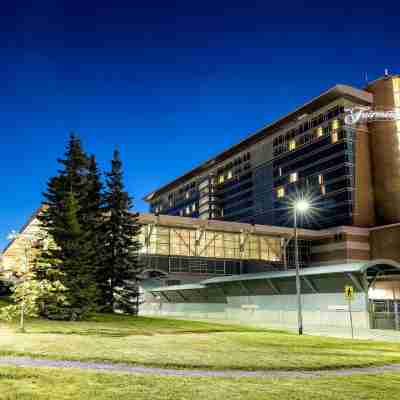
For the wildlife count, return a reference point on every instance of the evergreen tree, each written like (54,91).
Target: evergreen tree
(93,222)
(121,245)
(70,264)
(71,178)
(69,206)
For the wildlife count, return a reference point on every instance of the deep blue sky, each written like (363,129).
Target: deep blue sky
(171,83)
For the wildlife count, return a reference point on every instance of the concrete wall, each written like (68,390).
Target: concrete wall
(384,144)
(318,310)
(385,242)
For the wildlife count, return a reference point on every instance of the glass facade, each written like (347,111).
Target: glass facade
(313,154)
(171,241)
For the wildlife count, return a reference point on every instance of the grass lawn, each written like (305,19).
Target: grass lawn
(188,344)
(4,301)
(50,384)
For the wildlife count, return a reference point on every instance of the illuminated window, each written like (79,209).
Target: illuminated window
(187,195)
(187,210)
(323,190)
(335,124)
(280,171)
(280,192)
(221,179)
(320,179)
(230,175)
(181,213)
(193,207)
(293,177)
(319,131)
(334,137)
(396,84)
(292,144)
(397,99)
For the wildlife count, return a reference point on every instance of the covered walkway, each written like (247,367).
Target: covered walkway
(270,297)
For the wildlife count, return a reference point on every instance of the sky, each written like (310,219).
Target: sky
(170,84)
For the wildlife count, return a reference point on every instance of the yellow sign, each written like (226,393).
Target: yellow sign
(349,292)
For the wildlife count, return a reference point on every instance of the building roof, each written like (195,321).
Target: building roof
(226,226)
(326,97)
(358,267)
(174,288)
(31,218)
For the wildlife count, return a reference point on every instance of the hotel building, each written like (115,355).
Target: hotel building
(350,171)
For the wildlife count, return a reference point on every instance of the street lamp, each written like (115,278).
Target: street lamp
(299,206)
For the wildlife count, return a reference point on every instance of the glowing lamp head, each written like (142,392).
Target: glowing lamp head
(301,205)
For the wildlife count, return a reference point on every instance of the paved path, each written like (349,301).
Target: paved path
(110,367)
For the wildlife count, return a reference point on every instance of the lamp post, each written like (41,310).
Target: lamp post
(299,206)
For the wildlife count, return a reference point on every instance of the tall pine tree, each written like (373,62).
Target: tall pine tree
(65,217)
(93,223)
(121,267)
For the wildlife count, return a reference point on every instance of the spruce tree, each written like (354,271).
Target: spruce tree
(93,222)
(71,177)
(70,264)
(65,217)
(121,245)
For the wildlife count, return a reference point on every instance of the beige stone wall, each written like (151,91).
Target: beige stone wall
(364,209)
(385,243)
(21,253)
(385,152)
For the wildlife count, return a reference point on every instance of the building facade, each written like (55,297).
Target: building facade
(311,151)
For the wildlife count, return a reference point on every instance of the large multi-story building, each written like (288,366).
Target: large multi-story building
(350,171)
(232,259)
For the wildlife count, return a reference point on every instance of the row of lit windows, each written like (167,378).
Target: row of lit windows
(396,93)
(189,209)
(396,90)
(294,177)
(308,125)
(185,242)
(292,144)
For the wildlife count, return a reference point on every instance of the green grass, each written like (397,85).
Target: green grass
(188,344)
(4,301)
(50,384)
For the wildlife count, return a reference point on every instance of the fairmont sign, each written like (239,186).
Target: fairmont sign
(366,114)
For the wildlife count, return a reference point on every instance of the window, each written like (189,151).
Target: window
(335,124)
(320,179)
(280,192)
(193,207)
(221,179)
(397,99)
(323,190)
(187,210)
(319,132)
(293,177)
(181,213)
(396,84)
(292,145)
(187,195)
(230,175)
(334,137)
(280,171)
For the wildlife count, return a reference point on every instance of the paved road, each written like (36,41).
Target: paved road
(110,367)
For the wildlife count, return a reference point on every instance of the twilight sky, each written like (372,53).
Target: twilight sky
(171,83)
